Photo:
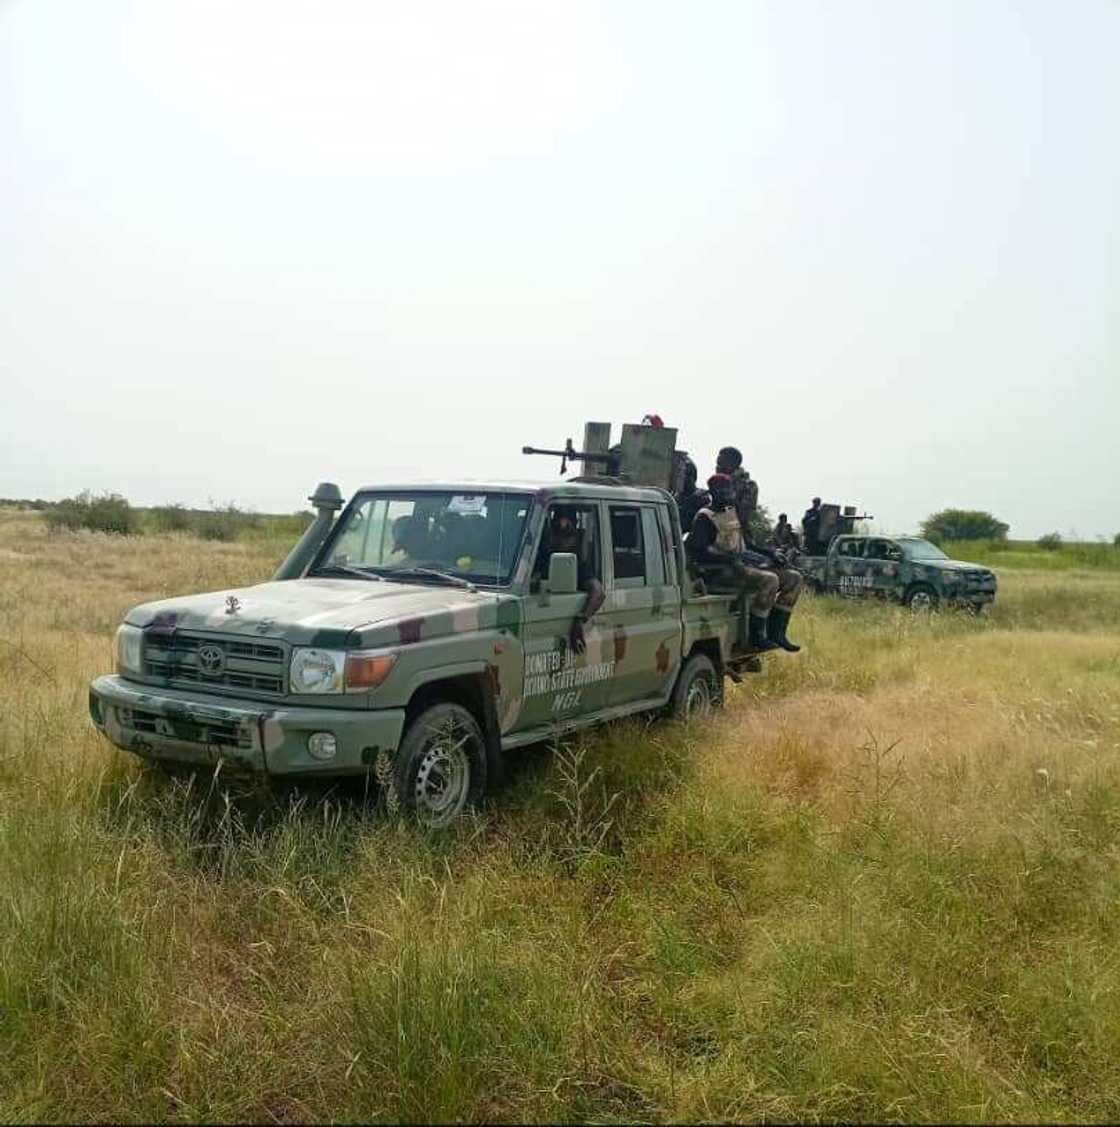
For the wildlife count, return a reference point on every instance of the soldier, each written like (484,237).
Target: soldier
(811,527)
(729,461)
(769,590)
(691,500)
(562,535)
(783,535)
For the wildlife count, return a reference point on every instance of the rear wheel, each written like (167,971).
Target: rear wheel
(441,765)
(921,597)
(699,689)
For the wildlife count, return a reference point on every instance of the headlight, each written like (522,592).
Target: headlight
(316,671)
(334,671)
(128,649)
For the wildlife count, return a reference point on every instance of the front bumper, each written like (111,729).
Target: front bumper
(178,727)
(977,597)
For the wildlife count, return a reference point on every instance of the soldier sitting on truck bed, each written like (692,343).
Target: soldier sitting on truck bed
(717,545)
(729,461)
(562,534)
(783,535)
(690,500)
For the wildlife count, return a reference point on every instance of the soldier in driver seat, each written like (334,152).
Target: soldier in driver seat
(562,534)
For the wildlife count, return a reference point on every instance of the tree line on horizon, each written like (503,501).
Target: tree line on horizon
(112,513)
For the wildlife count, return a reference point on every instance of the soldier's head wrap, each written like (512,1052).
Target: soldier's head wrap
(719,485)
(728,459)
(652,421)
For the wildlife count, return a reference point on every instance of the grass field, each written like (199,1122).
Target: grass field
(883,886)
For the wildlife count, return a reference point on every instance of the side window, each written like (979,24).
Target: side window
(878,550)
(850,548)
(627,546)
(655,550)
(584,542)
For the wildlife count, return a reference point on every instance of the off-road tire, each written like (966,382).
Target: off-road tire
(699,689)
(440,767)
(921,596)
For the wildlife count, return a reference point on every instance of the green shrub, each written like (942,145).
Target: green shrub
(963,524)
(760,526)
(224,523)
(107,512)
(1051,542)
(175,517)
(1116,540)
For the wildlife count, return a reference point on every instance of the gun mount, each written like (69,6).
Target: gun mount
(646,455)
(835,521)
(571,454)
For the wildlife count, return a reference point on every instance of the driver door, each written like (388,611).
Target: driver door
(560,684)
(882,563)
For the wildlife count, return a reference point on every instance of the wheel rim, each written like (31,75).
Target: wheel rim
(698,699)
(443,779)
(921,600)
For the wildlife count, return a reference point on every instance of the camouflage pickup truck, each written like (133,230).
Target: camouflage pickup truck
(421,635)
(904,569)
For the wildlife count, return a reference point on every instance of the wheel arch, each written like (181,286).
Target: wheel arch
(710,648)
(916,585)
(472,688)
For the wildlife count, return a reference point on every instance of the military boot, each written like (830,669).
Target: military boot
(756,638)
(776,629)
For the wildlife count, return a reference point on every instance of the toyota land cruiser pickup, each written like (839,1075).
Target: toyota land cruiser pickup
(422,635)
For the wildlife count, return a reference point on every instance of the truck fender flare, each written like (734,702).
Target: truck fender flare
(479,672)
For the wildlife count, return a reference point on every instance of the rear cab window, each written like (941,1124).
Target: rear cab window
(628,551)
(850,549)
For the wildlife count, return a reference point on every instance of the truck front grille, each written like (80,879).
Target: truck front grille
(243,664)
(980,578)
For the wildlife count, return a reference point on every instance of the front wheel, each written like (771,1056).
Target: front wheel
(441,765)
(699,689)
(921,597)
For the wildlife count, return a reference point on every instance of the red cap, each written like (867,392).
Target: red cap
(652,420)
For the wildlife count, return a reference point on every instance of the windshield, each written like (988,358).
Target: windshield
(922,550)
(470,536)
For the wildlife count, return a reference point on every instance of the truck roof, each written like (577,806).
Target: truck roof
(596,489)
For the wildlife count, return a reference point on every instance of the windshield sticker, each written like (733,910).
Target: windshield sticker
(468,504)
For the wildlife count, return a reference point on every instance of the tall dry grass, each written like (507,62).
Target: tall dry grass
(882,886)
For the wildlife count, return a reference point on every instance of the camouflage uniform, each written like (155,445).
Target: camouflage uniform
(746,496)
(784,536)
(746,505)
(759,587)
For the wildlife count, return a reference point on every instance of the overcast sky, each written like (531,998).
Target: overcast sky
(248,246)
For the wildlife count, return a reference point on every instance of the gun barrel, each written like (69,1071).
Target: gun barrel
(571,455)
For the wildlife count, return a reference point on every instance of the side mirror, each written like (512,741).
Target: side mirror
(563,573)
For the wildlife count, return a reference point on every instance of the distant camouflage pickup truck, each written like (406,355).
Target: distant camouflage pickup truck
(904,569)
(420,636)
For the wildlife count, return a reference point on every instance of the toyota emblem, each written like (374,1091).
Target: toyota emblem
(211,659)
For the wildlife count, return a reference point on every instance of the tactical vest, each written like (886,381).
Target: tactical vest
(730,531)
